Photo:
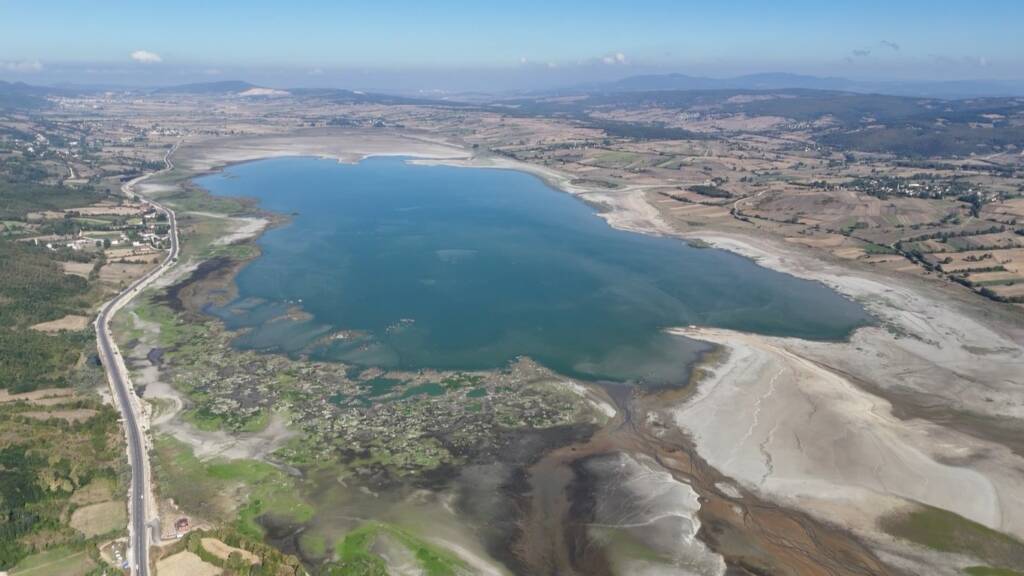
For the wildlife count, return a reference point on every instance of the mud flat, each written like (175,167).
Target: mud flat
(635,500)
(925,408)
(343,145)
(939,341)
(242,227)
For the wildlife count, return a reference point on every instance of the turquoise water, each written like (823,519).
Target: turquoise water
(455,268)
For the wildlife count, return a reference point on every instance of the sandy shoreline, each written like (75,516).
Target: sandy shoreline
(209,156)
(838,429)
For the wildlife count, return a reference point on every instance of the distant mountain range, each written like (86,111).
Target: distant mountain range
(241,89)
(21,95)
(224,88)
(778,81)
(25,96)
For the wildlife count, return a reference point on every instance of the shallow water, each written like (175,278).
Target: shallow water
(454,268)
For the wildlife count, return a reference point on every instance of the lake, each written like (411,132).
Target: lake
(409,266)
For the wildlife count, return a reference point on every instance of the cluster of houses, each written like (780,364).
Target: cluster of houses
(886,186)
(149,234)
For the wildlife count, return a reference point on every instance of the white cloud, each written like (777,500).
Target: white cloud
(22,66)
(616,58)
(523,60)
(146,57)
(316,72)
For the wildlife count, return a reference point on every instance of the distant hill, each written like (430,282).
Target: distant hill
(222,88)
(341,96)
(242,89)
(771,81)
(906,126)
(779,81)
(14,95)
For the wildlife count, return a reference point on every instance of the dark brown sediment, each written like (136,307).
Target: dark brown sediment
(752,535)
(211,277)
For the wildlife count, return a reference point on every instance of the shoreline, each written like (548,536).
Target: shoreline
(617,216)
(916,330)
(867,288)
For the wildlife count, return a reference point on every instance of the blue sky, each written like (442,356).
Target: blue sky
(326,42)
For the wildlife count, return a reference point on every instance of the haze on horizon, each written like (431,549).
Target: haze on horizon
(471,46)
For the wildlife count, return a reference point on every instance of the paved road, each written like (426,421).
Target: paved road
(128,402)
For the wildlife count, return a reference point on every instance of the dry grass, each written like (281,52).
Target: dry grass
(116,273)
(223,551)
(79,415)
(1000,240)
(1012,259)
(41,397)
(44,215)
(71,323)
(1009,291)
(106,209)
(119,253)
(995,277)
(1009,208)
(55,561)
(101,518)
(185,564)
(99,490)
(77,268)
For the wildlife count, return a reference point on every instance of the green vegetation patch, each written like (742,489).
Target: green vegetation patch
(18,199)
(461,380)
(948,532)
(206,487)
(205,418)
(430,389)
(191,198)
(33,360)
(710,191)
(34,287)
(313,545)
(174,333)
(64,560)
(989,571)
(271,562)
(872,248)
(355,555)
(41,473)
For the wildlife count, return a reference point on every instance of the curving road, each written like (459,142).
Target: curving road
(129,404)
